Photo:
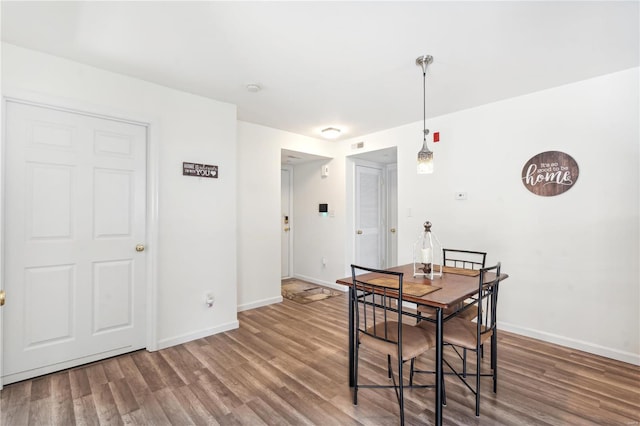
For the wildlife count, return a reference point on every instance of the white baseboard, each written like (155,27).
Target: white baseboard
(166,343)
(332,285)
(592,348)
(259,303)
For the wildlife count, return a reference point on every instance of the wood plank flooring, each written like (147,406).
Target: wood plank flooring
(287,365)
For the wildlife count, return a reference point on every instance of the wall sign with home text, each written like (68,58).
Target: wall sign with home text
(200,170)
(550,173)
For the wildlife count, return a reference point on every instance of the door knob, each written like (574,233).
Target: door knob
(286,229)
(393,230)
(140,247)
(2,297)
(359,231)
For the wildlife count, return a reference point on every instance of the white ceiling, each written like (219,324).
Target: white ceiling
(345,64)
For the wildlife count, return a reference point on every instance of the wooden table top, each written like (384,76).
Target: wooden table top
(454,288)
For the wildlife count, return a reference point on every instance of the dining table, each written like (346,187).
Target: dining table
(446,291)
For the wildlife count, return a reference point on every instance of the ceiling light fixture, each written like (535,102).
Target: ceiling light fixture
(425,156)
(330,133)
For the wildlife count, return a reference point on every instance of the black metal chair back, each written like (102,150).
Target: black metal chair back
(374,308)
(465,259)
(487,305)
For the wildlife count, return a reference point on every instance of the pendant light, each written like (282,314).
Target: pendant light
(425,156)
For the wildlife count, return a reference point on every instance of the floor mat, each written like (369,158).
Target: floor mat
(304,292)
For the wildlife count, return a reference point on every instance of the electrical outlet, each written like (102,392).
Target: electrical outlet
(460,195)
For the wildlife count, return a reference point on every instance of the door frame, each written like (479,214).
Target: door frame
(391,208)
(152,173)
(352,162)
(289,169)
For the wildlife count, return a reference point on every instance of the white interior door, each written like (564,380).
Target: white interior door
(369,217)
(74,213)
(285,221)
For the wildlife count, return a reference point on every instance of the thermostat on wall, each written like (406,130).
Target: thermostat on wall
(323,208)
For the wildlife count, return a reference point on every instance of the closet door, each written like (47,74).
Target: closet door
(369,217)
(75,208)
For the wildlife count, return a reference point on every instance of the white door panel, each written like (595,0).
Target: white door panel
(369,217)
(75,210)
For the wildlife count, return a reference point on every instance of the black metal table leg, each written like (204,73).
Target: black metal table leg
(438,367)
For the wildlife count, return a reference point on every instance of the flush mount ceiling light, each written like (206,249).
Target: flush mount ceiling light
(330,133)
(253,87)
(425,156)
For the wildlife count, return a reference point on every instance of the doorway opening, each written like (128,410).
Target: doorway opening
(289,160)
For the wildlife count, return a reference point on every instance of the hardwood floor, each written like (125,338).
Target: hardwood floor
(287,364)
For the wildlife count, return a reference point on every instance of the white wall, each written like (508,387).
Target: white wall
(319,236)
(196,245)
(573,259)
(259,250)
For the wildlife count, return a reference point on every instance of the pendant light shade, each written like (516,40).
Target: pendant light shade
(425,155)
(425,158)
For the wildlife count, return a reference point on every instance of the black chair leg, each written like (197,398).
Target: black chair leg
(464,362)
(355,376)
(389,366)
(444,392)
(400,392)
(413,360)
(478,370)
(494,361)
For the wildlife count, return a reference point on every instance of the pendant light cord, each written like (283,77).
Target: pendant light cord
(424,61)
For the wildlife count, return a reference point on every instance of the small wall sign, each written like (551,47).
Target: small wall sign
(550,173)
(200,170)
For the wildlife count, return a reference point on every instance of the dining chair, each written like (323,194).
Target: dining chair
(460,332)
(464,260)
(379,327)
(468,260)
